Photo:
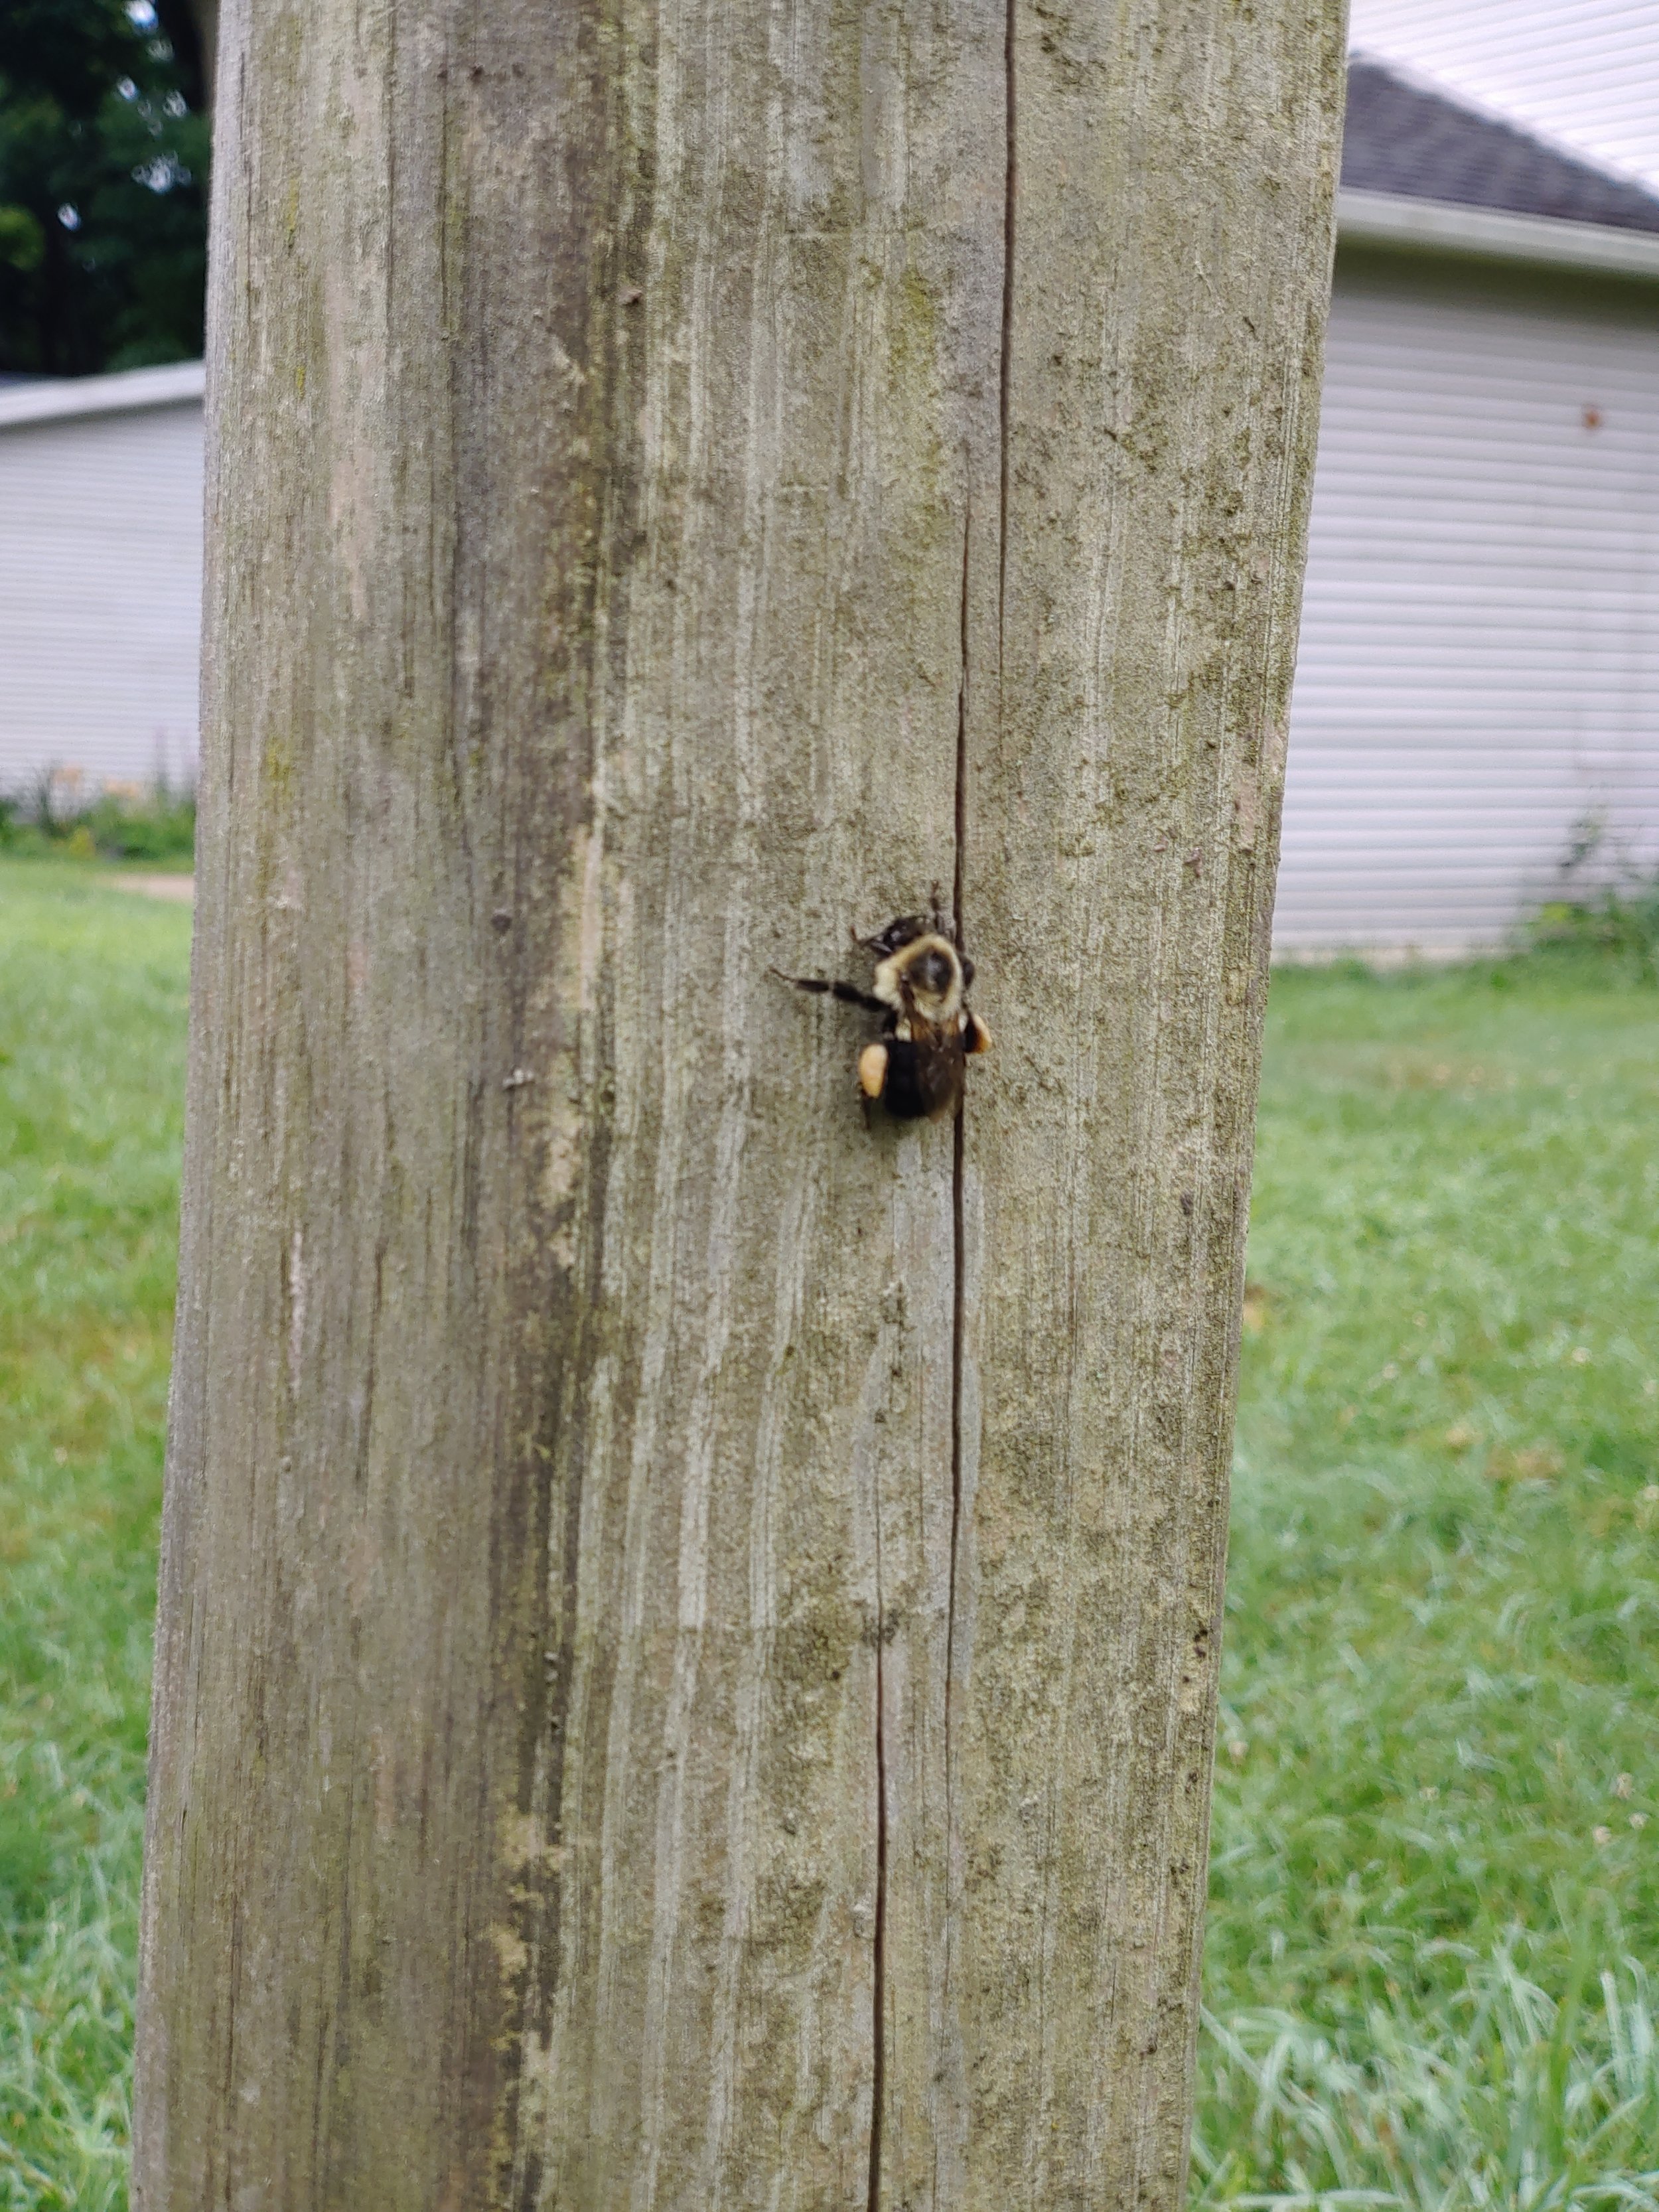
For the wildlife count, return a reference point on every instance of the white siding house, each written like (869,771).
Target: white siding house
(101,562)
(1477,696)
(1477,690)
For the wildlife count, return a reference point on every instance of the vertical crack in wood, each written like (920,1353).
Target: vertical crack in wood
(878,1962)
(958,1276)
(1009,179)
(958,1269)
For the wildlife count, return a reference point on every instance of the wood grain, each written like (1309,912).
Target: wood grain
(687,1647)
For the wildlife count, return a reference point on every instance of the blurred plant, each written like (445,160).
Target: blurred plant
(1607,905)
(159,825)
(125,822)
(1622,920)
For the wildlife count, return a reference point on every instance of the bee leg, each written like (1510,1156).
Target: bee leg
(976,1037)
(848,994)
(872,1070)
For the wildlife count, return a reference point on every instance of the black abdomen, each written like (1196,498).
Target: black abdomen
(922,1083)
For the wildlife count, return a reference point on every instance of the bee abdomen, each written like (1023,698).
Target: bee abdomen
(920,1084)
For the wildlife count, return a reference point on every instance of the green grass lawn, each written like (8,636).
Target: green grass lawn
(91,1018)
(1438,1805)
(1436,1854)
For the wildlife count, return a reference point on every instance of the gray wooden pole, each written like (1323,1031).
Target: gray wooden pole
(687,1653)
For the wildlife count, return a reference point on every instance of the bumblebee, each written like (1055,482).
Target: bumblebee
(915,1068)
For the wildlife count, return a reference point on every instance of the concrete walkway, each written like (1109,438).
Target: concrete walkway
(182,888)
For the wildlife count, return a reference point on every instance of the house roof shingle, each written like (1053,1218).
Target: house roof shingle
(1419,144)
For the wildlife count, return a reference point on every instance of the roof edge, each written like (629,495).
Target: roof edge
(55,399)
(1539,241)
(1417,79)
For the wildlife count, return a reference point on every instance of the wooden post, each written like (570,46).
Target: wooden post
(687,1656)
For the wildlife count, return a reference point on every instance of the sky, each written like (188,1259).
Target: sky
(1583,73)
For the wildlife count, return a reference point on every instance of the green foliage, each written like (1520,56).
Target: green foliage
(161,826)
(1623,921)
(1606,909)
(157,825)
(1437,1782)
(22,241)
(104,149)
(92,1009)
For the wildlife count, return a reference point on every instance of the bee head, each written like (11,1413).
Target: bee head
(904,931)
(924,972)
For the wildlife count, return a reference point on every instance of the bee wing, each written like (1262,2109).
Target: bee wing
(935,1036)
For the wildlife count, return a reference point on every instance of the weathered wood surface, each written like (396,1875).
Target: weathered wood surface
(688,1638)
